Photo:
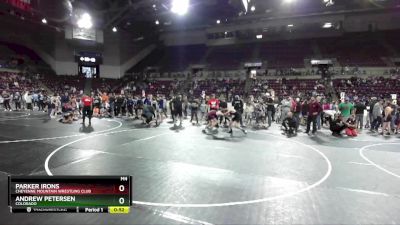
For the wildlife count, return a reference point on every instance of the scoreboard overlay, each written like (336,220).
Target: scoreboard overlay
(69,194)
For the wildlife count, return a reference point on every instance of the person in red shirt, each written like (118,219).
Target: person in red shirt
(313,109)
(87,110)
(213,103)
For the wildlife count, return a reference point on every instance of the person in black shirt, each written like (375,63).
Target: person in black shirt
(171,108)
(270,110)
(337,125)
(118,105)
(111,101)
(397,120)
(138,107)
(177,109)
(359,107)
(237,104)
(304,111)
(223,105)
(123,105)
(6,100)
(130,104)
(17,100)
(290,124)
(371,107)
(296,112)
(194,107)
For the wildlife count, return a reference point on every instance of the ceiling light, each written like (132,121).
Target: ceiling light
(290,25)
(288,1)
(259,36)
(180,7)
(327,25)
(44,21)
(218,21)
(245,4)
(85,21)
(226,32)
(157,22)
(93,60)
(253,8)
(329,3)
(114,29)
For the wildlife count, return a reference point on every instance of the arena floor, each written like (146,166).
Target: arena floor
(181,176)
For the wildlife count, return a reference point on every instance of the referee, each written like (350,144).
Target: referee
(87,110)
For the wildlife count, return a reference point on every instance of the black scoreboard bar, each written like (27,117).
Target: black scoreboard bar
(69,194)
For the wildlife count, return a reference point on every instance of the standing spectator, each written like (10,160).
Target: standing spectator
(185,105)
(203,109)
(17,100)
(270,110)
(130,104)
(162,105)
(314,108)
(40,103)
(28,99)
(118,105)
(35,99)
(238,105)
(377,116)
(345,109)
(285,107)
(393,122)
(370,111)
(111,101)
(64,100)
(6,101)
(387,118)
(397,120)
(87,110)
(359,111)
(297,112)
(304,112)
(194,107)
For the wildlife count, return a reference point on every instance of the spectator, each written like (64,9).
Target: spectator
(359,112)
(6,100)
(28,99)
(17,100)
(377,116)
(346,109)
(314,108)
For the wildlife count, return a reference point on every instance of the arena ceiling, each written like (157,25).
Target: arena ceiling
(140,16)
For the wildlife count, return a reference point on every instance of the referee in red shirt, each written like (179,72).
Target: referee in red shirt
(87,110)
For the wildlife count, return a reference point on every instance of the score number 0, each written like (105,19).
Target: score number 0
(121,188)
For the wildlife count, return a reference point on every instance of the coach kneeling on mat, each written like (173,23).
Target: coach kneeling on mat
(87,110)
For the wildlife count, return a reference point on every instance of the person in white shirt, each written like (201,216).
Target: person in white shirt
(28,100)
